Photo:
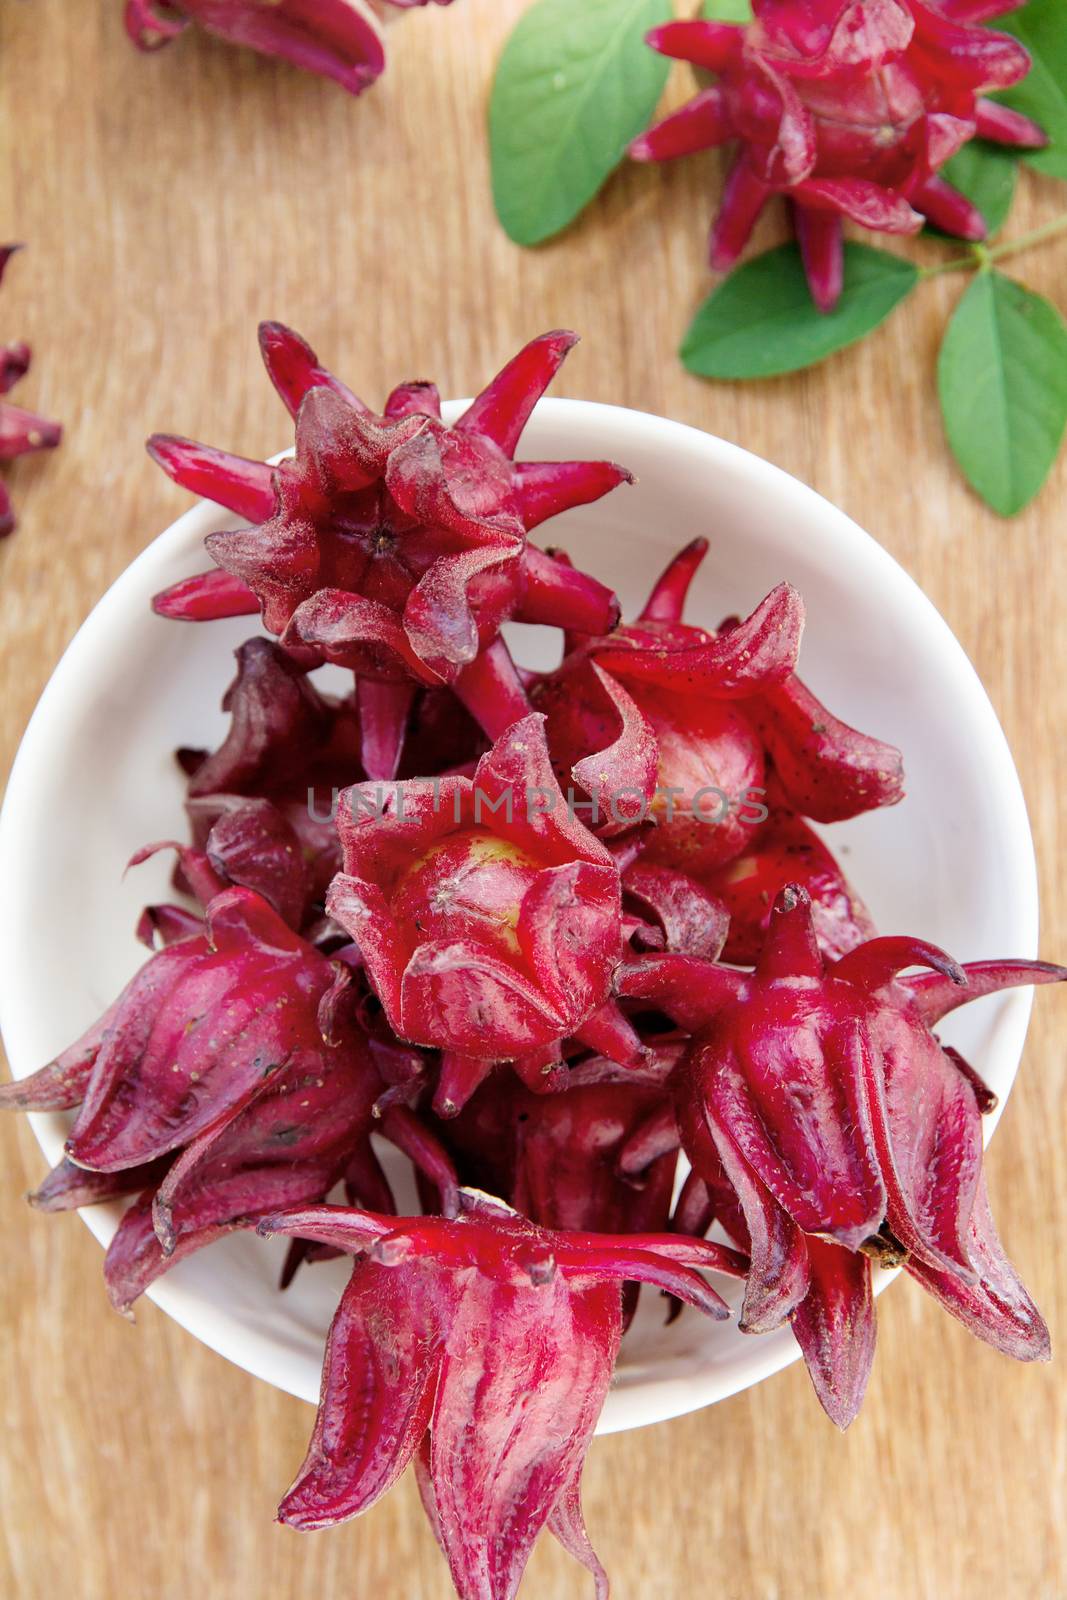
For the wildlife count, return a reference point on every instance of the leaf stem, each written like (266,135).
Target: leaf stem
(1011,247)
(966,263)
(979,257)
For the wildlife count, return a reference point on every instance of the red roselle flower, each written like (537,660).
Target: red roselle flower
(339,39)
(683,720)
(849,108)
(393,544)
(488,917)
(20,431)
(482,1349)
(231,1077)
(207,1021)
(818,1094)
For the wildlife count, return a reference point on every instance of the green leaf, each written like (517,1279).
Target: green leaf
(761,321)
(1042,27)
(727,10)
(1002,374)
(986,174)
(575,84)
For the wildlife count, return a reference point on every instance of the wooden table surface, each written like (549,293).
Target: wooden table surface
(171,201)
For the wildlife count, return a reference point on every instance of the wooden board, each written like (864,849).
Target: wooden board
(171,201)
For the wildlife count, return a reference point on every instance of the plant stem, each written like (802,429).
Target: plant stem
(1011,247)
(966,263)
(980,257)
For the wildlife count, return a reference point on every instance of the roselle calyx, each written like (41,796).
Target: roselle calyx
(396,545)
(819,1092)
(481,1349)
(230,1078)
(488,916)
(685,722)
(849,108)
(204,1022)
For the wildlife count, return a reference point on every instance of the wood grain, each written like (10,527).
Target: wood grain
(168,203)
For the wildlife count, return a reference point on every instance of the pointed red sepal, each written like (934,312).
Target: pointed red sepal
(666,602)
(743,201)
(779,1266)
(828,771)
(878,962)
(1004,125)
(791,949)
(822,247)
(205,598)
(836,1328)
(295,369)
(996,1308)
(657,1136)
(546,489)
(703,124)
(492,691)
(558,595)
(568,1526)
(68,1187)
(502,410)
(380,1372)
(688,989)
(711,45)
(950,210)
(460,1076)
(610,1034)
(935,995)
(22,432)
(61,1084)
(383,717)
(242,486)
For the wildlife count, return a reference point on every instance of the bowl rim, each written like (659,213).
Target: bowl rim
(589,424)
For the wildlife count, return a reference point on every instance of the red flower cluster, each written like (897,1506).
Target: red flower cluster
(489,914)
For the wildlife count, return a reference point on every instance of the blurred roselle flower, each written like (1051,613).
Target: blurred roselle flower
(819,1091)
(488,916)
(849,108)
(339,39)
(682,720)
(21,432)
(396,545)
(481,1349)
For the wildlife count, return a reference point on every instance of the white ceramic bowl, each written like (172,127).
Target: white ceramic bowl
(95,779)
